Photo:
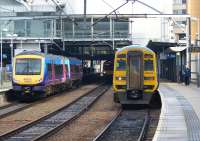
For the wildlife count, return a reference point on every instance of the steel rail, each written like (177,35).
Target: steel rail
(144,128)
(108,126)
(141,136)
(6,105)
(17,107)
(12,108)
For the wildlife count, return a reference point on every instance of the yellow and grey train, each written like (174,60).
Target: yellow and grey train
(135,75)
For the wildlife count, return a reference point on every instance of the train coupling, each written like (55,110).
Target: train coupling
(134,94)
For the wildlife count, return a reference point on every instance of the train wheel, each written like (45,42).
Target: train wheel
(78,84)
(155,102)
(70,85)
(10,95)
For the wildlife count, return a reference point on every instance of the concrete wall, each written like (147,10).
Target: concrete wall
(194,10)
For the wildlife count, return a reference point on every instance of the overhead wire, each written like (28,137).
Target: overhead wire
(10,10)
(70,6)
(113,11)
(160,12)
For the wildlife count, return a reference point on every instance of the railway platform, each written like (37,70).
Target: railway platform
(5,86)
(180,114)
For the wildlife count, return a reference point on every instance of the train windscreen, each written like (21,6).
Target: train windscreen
(28,66)
(121,65)
(148,65)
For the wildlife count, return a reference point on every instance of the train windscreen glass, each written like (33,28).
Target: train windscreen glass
(148,65)
(28,66)
(121,65)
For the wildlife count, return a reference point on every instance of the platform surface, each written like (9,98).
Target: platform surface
(180,114)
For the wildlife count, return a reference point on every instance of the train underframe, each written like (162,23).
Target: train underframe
(33,92)
(134,98)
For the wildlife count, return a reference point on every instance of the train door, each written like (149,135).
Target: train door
(135,71)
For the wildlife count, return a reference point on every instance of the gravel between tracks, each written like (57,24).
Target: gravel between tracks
(91,123)
(41,109)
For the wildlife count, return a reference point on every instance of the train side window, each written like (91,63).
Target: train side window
(72,68)
(66,68)
(61,70)
(121,65)
(58,70)
(148,65)
(76,69)
(49,69)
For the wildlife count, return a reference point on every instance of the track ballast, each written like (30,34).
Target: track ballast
(52,122)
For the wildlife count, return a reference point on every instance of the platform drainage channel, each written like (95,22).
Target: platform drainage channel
(191,118)
(49,124)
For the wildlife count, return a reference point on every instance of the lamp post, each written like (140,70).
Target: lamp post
(11,44)
(3,30)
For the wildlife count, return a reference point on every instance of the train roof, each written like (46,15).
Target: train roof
(74,60)
(133,47)
(33,52)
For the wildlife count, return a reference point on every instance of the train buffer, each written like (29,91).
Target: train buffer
(180,114)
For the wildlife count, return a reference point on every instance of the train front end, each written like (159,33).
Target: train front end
(28,75)
(135,75)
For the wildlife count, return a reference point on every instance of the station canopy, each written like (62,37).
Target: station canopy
(160,46)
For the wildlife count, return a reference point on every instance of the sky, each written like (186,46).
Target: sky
(100,6)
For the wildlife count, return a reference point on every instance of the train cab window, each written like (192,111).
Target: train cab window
(148,65)
(28,66)
(121,65)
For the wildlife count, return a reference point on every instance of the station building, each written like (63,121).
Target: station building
(41,26)
(193,9)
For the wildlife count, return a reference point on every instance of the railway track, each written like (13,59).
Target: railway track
(127,125)
(154,116)
(12,108)
(44,126)
(15,107)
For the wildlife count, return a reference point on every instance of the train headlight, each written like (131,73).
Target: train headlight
(120,78)
(40,80)
(16,81)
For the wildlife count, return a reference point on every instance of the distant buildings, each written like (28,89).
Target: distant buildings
(179,27)
(38,25)
(193,8)
(194,11)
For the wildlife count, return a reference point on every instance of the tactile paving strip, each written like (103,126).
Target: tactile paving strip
(191,118)
(171,126)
